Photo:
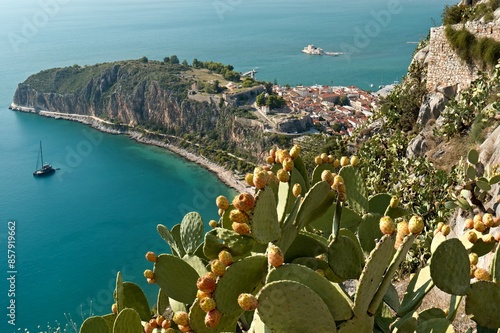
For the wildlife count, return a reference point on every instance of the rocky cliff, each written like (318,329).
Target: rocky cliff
(125,92)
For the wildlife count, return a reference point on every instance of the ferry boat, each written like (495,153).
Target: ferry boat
(311,49)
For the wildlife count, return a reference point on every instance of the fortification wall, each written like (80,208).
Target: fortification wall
(444,66)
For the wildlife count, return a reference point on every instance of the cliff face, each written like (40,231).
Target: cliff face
(119,92)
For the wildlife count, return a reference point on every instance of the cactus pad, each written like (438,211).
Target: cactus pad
(450,267)
(305,245)
(441,325)
(473,157)
(345,258)
(134,298)
(316,203)
(378,203)
(162,302)
(265,225)
(495,266)
(169,238)
(356,190)
(373,274)
(357,324)
(315,263)
(241,277)
(195,262)
(369,231)
(191,232)
(94,325)
(220,239)
(335,299)
(128,321)
(418,287)
(118,294)
(285,200)
(288,306)
(227,322)
(176,277)
(389,273)
(318,170)
(482,303)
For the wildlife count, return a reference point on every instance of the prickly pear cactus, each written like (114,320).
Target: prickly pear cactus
(94,325)
(176,278)
(128,321)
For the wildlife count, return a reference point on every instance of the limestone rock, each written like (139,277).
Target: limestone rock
(432,107)
(417,147)
(421,55)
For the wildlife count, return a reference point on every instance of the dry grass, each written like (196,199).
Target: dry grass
(446,154)
(438,299)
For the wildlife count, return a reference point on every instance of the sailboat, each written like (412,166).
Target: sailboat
(46,168)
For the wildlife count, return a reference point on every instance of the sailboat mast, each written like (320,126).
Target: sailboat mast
(41,152)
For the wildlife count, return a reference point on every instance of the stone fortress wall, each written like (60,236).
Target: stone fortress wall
(444,66)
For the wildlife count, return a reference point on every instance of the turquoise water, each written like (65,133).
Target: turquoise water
(98,214)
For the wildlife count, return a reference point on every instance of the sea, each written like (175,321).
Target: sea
(64,238)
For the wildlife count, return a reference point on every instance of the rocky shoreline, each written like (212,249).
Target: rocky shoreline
(226,176)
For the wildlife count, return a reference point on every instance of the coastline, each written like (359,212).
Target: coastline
(224,175)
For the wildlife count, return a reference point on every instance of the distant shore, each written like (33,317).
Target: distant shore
(226,176)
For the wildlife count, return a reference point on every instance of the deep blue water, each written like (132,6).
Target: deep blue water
(98,214)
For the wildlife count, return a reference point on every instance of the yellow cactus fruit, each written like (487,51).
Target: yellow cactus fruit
(318,160)
(226,257)
(473,258)
(151,256)
(272,152)
(478,217)
(159,320)
(260,179)
(184,328)
(296,190)
(336,163)
(482,275)
(324,157)
(469,223)
(148,274)
(269,160)
(218,267)
(344,161)
(249,179)
(222,202)
(288,164)
(402,228)
(221,212)
(445,230)
(283,176)
(387,226)
(201,295)
(394,203)
(151,280)
(488,220)
(354,160)
(416,224)
(488,239)
(212,318)
(239,216)
(331,159)
(275,256)
(272,178)
(114,308)
(472,271)
(295,151)
(247,302)
(207,304)
(327,176)
(439,226)
(479,226)
(213,224)
(241,228)
(244,202)
(472,237)
(338,179)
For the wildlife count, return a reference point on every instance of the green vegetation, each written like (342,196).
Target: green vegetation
(460,13)
(275,261)
(400,108)
(486,51)
(470,107)
(227,71)
(273,101)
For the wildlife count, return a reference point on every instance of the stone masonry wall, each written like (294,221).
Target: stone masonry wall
(444,66)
